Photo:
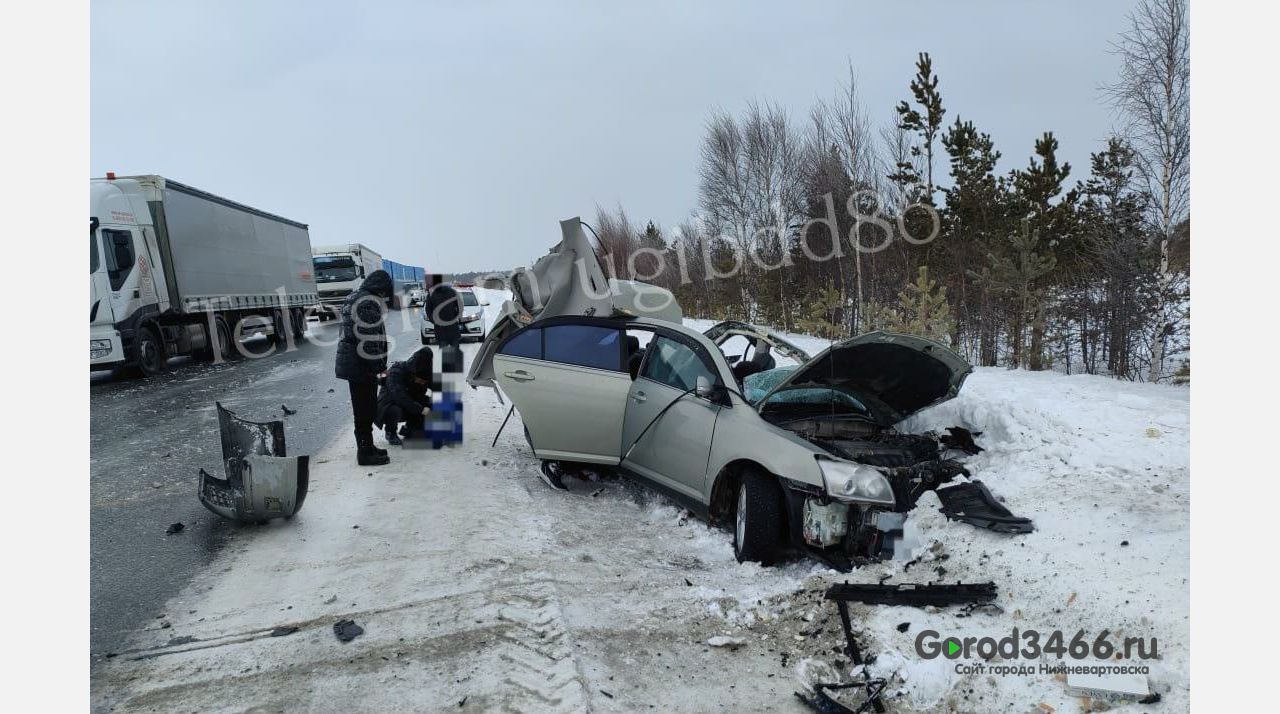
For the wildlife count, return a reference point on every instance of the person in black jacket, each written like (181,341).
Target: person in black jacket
(405,398)
(444,309)
(362,357)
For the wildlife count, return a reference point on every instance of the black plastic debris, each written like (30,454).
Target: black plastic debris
(284,631)
(174,528)
(347,630)
(904,627)
(287,411)
(961,439)
(824,703)
(261,481)
(974,504)
(913,594)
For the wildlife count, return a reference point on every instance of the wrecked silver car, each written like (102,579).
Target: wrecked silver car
(803,457)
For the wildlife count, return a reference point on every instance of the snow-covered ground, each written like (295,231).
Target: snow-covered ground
(480,589)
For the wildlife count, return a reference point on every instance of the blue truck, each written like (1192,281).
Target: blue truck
(408,280)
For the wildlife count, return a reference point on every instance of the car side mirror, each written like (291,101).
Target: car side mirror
(484,304)
(703,388)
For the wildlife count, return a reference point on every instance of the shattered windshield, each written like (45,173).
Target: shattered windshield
(798,399)
(335,268)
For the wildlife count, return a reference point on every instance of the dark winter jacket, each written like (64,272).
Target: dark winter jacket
(403,388)
(362,349)
(444,309)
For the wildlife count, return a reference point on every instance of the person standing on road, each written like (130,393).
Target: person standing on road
(444,309)
(405,397)
(362,358)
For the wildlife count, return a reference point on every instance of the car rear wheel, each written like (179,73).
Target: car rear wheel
(758,526)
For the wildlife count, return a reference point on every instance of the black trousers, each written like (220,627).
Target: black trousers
(364,407)
(414,423)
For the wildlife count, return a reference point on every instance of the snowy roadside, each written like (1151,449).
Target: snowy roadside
(480,589)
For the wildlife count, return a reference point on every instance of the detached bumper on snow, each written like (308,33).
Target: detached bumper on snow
(262,483)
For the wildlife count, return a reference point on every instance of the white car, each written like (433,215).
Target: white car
(471,323)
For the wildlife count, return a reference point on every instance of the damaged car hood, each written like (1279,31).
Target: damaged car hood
(893,375)
(568,281)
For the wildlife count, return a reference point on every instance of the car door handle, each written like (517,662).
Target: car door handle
(639,397)
(519,375)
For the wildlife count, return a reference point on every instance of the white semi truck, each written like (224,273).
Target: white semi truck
(174,270)
(339,271)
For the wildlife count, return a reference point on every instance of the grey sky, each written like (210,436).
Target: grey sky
(455,135)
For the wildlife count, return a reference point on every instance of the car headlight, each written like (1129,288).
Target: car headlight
(99,348)
(847,481)
(470,318)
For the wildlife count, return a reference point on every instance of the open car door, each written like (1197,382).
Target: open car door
(568,378)
(567,281)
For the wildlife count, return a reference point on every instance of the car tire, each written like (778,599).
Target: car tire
(277,327)
(151,357)
(758,525)
(299,325)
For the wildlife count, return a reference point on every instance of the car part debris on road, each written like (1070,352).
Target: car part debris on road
(974,504)
(347,630)
(262,482)
(174,528)
(913,594)
(823,703)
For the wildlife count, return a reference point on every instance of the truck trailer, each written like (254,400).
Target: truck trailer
(174,271)
(339,271)
(405,278)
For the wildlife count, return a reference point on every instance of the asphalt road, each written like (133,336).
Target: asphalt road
(148,440)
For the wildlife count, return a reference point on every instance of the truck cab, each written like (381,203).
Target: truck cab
(124,286)
(339,270)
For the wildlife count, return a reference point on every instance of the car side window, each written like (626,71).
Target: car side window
(524,344)
(585,345)
(676,365)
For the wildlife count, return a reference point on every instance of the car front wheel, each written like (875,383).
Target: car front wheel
(758,527)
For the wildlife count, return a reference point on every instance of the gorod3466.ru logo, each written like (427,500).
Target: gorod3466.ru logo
(1027,645)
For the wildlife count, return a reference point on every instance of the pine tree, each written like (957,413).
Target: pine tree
(1036,187)
(1016,272)
(925,121)
(924,309)
(976,214)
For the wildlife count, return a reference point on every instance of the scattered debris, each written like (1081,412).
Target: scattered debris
(1123,543)
(824,703)
(904,627)
(1151,698)
(974,504)
(1072,598)
(914,594)
(347,630)
(732,643)
(331,390)
(606,694)
(183,640)
(174,528)
(287,411)
(464,699)
(688,582)
(284,631)
(961,439)
(1109,687)
(332,599)
(1153,432)
(155,484)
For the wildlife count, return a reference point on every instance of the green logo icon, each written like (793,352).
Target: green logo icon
(952,647)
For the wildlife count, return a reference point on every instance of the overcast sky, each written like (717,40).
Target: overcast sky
(455,136)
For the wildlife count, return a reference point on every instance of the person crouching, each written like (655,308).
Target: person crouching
(405,397)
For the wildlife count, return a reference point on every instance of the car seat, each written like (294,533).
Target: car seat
(759,362)
(635,356)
